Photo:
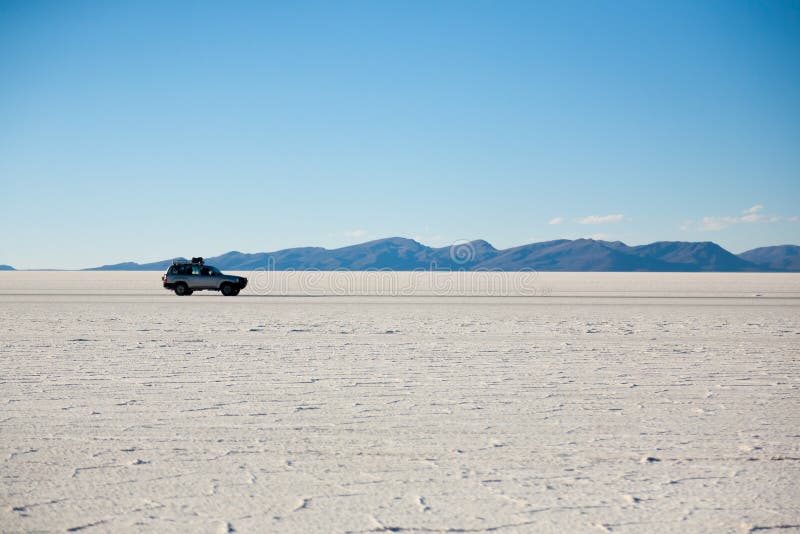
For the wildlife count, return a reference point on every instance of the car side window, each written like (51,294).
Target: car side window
(195,270)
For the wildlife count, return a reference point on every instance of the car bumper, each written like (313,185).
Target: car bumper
(168,285)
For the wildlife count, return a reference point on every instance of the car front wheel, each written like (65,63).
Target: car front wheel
(182,290)
(228,290)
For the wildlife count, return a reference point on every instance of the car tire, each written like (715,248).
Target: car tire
(235,292)
(182,289)
(228,290)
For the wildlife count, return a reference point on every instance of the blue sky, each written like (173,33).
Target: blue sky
(147,130)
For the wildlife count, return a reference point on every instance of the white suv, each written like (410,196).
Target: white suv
(186,277)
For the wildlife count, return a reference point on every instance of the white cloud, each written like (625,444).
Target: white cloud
(712,224)
(751,214)
(556,220)
(355,233)
(715,223)
(598,237)
(754,209)
(602,219)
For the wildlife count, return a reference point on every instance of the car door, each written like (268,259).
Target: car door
(215,277)
(205,279)
(195,280)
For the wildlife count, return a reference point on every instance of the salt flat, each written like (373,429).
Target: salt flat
(341,402)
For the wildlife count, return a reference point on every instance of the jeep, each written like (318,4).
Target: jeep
(184,278)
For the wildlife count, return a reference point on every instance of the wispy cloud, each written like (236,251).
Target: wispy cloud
(754,209)
(750,215)
(602,219)
(556,220)
(355,233)
(712,224)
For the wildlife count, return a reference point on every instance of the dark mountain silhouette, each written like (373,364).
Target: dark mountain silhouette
(463,255)
(6,268)
(781,257)
(687,256)
(577,255)
(401,254)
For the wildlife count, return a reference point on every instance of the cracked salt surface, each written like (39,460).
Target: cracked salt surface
(609,406)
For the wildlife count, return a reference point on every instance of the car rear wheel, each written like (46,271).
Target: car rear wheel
(228,290)
(182,289)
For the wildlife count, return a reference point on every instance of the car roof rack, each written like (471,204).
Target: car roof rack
(195,261)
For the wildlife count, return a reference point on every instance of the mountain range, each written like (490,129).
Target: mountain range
(781,257)
(401,254)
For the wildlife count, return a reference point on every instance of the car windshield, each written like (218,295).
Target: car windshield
(213,271)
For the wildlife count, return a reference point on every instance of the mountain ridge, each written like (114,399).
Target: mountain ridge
(578,255)
(783,257)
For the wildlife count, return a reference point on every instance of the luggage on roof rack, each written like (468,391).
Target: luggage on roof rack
(181,261)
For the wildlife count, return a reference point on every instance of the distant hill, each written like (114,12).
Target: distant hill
(133,266)
(688,256)
(780,257)
(6,268)
(402,254)
(577,255)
